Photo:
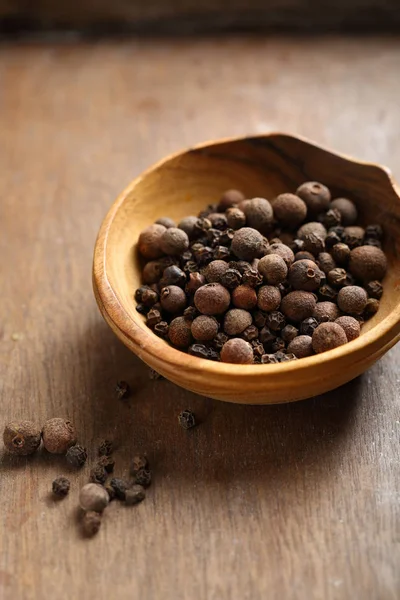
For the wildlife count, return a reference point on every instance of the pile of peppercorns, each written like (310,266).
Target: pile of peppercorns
(253,281)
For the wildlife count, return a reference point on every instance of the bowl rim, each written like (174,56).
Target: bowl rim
(114,312)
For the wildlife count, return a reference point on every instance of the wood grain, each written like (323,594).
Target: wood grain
(297,501)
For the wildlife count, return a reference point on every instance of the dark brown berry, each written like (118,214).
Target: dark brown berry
(341,253)
(139,462)
(289,332)
(173,275)
(58,435)
(236,218)
(199,350)
(91,523)
(273,269)
(367,263)
(98,474)
(76,455)
(143,477)
(374,289)
(119,486)
(269,359)
(21,437)
(269,298)
(278,345)
(149,243)
(152,271)
(212,299)
(314,243)
(304,275)
(326,292)
(328,336)
(371,308)
(331,218)
(204,328)
(304,255)
(275,321)
(237,351)
(218,221)
(122,390)
(221,253)
(105,448)
(153,318)
(350,326)
(301,346)
(166,222)
(338,277)
(230,198)
(250,333)
(267,336)
(315,195)
(236,320)
(146,296)
(326,262)
(290,210)
(353,236)
(298,305)
(173,299)
(308,326)
(107,463)
(61,486)
(187,224)
(347,209)
(326,311)
(246,243)
(231,279)
(252,277)
(134,495)
(259,214)
(187,419)
(179,332)
(215,270)
(174,241)
(196,280)
(332,239)
(190,313)
(352,299)
(161,329)
(374,231)
(283,251)
(244,297)
(314,228)
(219,340)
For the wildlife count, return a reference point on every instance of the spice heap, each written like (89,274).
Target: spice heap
(258,281)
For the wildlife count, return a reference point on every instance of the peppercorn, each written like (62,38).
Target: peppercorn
(259,214)
(134,495)
(142,309)
(161,329)
(374,289)
(275,321)
(231,278)
(105,448)
(153,318)
(338,277)
(152,271)
(331,218)
(149,243)
(283,251)
(93,497)
(328,336)
(278,345)
(187,224)
(173,275)
(122,390)
(190,313)
(273,269)
(347,209)
(204,328)
(325,262)
(91,522)
(326,292)
(304,275)
(252,277)
(173,299)
(199,350)
(311,228)
(236,320)
(374,231)
(269,359)
(119,486)
(331,240)
(286,357)
(316,196)
(290,210)
(146,296)
(308,326)
(219,340)
(221,253)
(60,486)
(298,305)
(187,419)
(371,308)
(201,226)
(218,221)
(143,477)
(304,255)
(250,333)
(269,298)
(212,299)
(230,198)
(341,253)
(372,242)
(226,237)
(203,254)
(107,463)
(215,270)
(352,299)
(179,332)
(76,455)
(110,491)
(350,326)
(174,241)
(326,311)
(196,280)
(21,437)
(58,435)
(246,243)
(353,236)
(289,332)
(98,474)
(166,222)
(237,351)
(367,263)
(266,336)
(235,218)
(301,346)
(314,243)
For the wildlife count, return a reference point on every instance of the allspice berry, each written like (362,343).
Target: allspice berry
(235,218)
(174,241)
(288,333)
(314,243)
(341,254)
(326,311)
(326,262)
(173,299)
(351,327)
(244,296)
(188,225)
(353,236)
(212,299)
(93,497)
(347,209)
(237,351)
(273,269)
(301,346)
(21,437)
(283,251)
(316,196)
(298,305)
(204,328)
(259,214)
(304,275)
(152,271)
(58,435)
(304,255)
(166,222)
(352,299)
(179,332)
(246,243)
(290,210)
(313,227)
(230,198)
(367,263)
(215,270)
(269,298)
(371,308)
(328,336)
(236,321)
(149,243)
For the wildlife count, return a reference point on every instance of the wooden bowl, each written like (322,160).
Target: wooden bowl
(268,165)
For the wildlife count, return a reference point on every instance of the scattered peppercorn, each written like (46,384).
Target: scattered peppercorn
(269,298)
(308,326)
(58,435)
(288,333)
(105,448)
(119,486)
(139,462)
(76,455)
(311,228)
(61,486)
(143,477)
(122,390)
(298,305)
(341,253)
(374,289)
(93,497)
(173,299)
(91,522)
(107,463)
(187,419)
(326,262)
(134,495)
(236,218)
(98,474)
(259,214)
(21,437)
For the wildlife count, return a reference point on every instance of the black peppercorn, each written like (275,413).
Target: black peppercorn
(374,289)
(105,448)
(61,486)
(326,292)
(308,326)
(187,419)
(275,321)
(107,463)
(76,455)
(374,231)
(231,278)
(161,329)
(122,390)
(119,486)
(98,474)
(332,239)
(221,253)
(146,296)
(371,308)
(219,340)
(331,218)
(199,350)
(269,359)
(289,332)
(143,477)
(173,275)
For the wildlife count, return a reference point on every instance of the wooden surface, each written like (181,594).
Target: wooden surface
(289,502)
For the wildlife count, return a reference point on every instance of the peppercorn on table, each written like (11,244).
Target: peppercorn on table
(296,501)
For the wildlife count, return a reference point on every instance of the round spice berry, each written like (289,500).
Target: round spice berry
(152,271)
(244,297)
(231,278)
(315,195)
(172,275)
(235,218)
(328,336)
(301,346)
(76,455)
(304,255)
(174,241)
(314,243)
(93,497)
(374,289)
(149,243)
(313,227)
(298,305)
(236,321)
(246,243)
(275,321)
(352,299)
(204,328)
(259,214)
(179,332)
(326,262)
(91,523)
(58,435)
(166,222)
(371,308)
(212,299)
(367,263)
(230,198)
(21,437)
(290,210)
(188,225)
(60,486)
(374,232)
(308,326)
(353,236)
(341,253)
(338,277)
(331,218)
(351,327)
(237,351)
(288,333)
(283,251)
(269,298)
(173,299)
(326,311)
(273,269)
(196,280)
(347,209)
(304,275)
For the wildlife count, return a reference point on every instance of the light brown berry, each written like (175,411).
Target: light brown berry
(235,218)
(204,328)
(313,227)
(315,195)
(367,263)
(179,332)
(259,214)
(230,198)
(93,497)
(21,437)
(237,351)
(236,321)
(352,299)
(269,298)
(174,241)
(244,296)
(301,346)
(328,336)
(351,327)
(326,311)
(58,435)
(273,269)
(212,299)
(283,251)
(298,305)
(149,243)
(290,210)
